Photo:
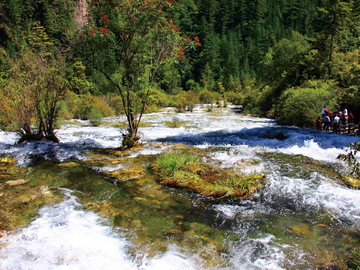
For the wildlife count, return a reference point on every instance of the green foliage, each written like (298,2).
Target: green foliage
(283,63)
(345,68)
(131,48)
(207,97)
(234,98)
(301,106)
(89,107)
(33,88)
(137,40)
(207,78)
(185,101)
(18,16)
(352,159)
(192,85)
(78,82)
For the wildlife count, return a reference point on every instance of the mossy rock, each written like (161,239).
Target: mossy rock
(351,182)
(9,170)
(38,137)
(184,170)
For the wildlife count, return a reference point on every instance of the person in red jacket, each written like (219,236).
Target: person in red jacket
(351,117)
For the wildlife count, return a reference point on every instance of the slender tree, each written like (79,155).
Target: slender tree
(136,39)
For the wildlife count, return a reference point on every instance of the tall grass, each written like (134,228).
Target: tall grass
(169,163)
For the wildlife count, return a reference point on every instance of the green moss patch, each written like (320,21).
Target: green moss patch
(185,170)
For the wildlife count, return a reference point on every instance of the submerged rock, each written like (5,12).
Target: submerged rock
(351,182)
(279,136)
(16,182)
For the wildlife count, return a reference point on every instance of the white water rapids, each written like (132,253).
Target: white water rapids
(64,236)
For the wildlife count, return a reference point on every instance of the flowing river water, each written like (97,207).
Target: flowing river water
(101,208)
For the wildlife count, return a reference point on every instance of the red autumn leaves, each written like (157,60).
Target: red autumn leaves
(181,54)
(105,20)
(197,41)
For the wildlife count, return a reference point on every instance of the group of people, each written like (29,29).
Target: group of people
(334,121)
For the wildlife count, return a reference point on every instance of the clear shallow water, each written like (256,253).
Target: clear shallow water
(280,229)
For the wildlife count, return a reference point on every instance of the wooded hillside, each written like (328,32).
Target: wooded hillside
(249,51)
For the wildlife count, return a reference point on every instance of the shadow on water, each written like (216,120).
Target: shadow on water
(262,137)
(238,109)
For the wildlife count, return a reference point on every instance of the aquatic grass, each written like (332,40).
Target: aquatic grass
(169,163)
(186,171)
(236,185)
(354,261)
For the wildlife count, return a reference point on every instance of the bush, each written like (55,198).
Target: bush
(117,105)
(156,100)
(302,106)
(234,98)
(184,101)
(95,116)
(86,107)
(207,97)
(265,100)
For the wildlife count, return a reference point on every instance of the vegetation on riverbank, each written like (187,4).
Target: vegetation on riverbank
(282,59)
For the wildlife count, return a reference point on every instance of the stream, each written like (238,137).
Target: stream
(101,208)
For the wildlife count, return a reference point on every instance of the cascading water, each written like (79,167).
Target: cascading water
(302,219)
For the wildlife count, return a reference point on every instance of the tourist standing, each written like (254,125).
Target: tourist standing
(331,119)
(326,122)
(345,114)
(336,124)
(323,111)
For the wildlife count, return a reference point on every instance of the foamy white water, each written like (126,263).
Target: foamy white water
(66,237)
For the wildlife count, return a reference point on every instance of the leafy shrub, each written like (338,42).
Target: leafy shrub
(184,101)
(302,106)
(192,85)
(265,100)
(117,105)
(95,116)
(156,100)
(234,98)
(86,107)
(207,97)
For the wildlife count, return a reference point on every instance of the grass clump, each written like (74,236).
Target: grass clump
(242,185)
(187,171)
(169,164)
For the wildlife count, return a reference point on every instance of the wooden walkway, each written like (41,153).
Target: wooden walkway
(349,129)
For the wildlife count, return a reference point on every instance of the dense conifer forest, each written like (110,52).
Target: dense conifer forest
(278,58)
